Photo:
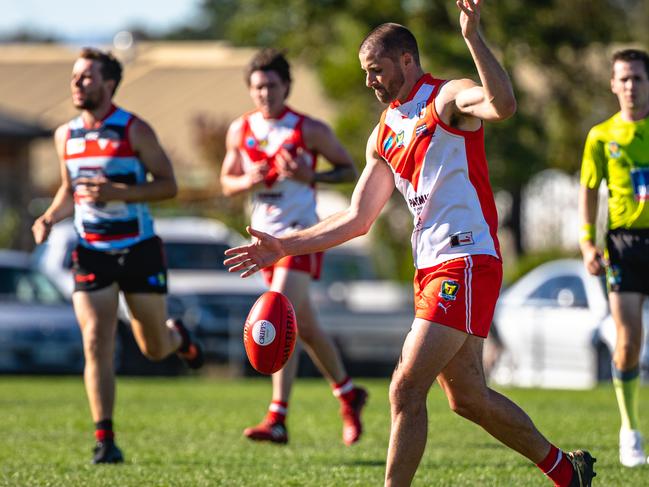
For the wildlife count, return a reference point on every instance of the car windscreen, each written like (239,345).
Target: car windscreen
(27,286)
(199,256)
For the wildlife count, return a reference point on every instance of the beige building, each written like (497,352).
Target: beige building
(170,84)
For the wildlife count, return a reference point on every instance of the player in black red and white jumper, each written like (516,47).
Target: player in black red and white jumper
(111,165)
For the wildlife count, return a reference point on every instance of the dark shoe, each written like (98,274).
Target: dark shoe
(107,452)
(192,352)
(582,465)
(351,413)
(266,431)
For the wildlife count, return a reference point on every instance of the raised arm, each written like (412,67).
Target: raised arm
(62,205)
(372,191)
(494,99)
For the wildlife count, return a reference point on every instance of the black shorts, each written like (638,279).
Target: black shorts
(137,269)
(628,260)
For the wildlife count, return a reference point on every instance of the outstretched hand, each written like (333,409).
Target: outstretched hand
(469,16)
(264,250)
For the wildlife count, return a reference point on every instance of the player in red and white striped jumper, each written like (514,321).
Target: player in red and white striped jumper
(272,154)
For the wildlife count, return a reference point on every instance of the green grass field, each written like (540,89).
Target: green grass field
(187,432)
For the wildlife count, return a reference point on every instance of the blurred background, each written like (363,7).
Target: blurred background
(183,63)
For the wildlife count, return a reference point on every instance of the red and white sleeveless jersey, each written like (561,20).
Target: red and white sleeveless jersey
(442,173)
(281,204)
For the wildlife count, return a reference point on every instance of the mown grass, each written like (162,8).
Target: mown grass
(187,432)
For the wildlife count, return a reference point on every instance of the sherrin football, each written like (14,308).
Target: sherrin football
(270,332)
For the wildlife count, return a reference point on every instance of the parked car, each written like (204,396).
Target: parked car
(556,329)
(212,302)
(367,317)
(38,329)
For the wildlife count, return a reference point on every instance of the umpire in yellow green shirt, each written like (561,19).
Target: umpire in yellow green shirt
(617,150)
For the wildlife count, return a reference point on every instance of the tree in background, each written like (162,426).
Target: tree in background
(556,52)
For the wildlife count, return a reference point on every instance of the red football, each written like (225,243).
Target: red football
(270,332)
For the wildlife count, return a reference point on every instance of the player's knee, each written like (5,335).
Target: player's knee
(627,353)
(406,394)
(95,347)
(471,407)
(153,351)
(307,334)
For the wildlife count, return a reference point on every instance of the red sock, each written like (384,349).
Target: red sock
(104,430)
(344,390)
(557,467)
(277,412)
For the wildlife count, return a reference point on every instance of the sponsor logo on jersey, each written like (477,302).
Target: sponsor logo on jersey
(448,290)
(421,129)
(75,146)
(400,137)
(417,201)
(388,143)
(250,142)
(614,149)
(461,238)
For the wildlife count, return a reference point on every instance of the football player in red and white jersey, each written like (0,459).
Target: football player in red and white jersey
(429,144)
(271,154)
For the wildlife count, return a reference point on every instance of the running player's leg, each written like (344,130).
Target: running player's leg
(295,285)
(155,339)
(96,312)
(322,350)
(464,383)
(144,283)
(626,309)
(427,349)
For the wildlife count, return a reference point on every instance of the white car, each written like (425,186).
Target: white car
(38,329)
(556,329)
(212,302)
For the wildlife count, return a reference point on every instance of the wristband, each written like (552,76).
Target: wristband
(587,233)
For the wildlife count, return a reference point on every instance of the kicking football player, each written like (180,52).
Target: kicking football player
(271,154)
(106,155)
(429,142)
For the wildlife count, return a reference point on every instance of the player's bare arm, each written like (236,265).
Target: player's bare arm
(320,139)
(592,256)
(372,191)
(234,179)
(162,185)
(62,205)
(463,103)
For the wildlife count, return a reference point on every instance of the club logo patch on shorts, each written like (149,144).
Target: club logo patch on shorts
(448,290)
(157,280)
(613,276)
